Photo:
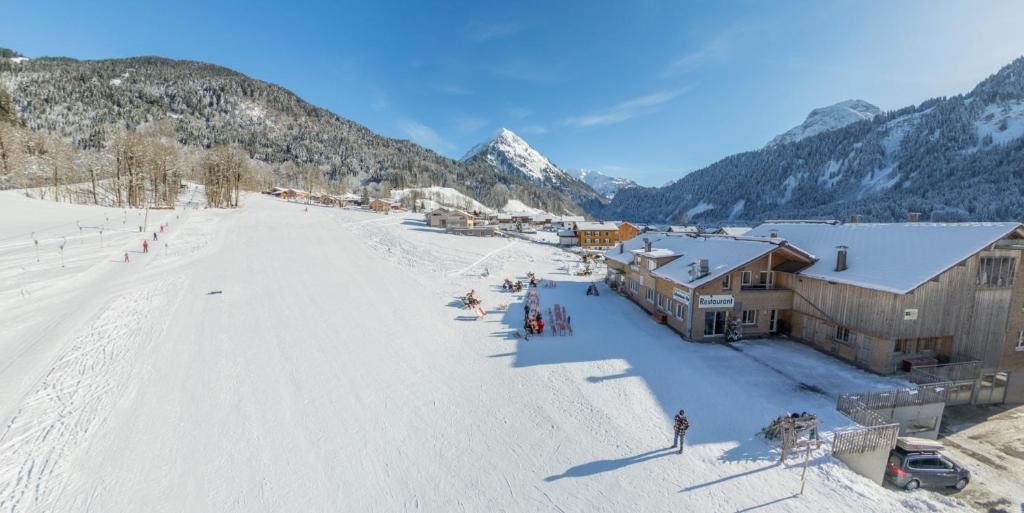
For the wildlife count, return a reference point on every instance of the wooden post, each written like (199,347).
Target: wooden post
(803,473)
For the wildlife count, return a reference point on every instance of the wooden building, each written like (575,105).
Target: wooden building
(379,205)
(697,285)
(892,296)
(945,300)
(604,234)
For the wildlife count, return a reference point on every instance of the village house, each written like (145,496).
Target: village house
(896,296)
(567,238)
(698,284)
(603,234)
(379,205)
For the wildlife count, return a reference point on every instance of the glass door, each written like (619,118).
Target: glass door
(714,323)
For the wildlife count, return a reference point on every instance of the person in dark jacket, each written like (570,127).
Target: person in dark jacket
(681,425)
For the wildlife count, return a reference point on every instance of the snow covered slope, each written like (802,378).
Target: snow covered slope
(433,197)
(828,118)
(605,185)
(277,359)
(508,153)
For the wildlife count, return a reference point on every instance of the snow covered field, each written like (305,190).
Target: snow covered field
(272,359)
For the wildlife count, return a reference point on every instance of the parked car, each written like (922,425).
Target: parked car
(915,467)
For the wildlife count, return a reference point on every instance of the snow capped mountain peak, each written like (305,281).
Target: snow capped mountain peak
(824,119)
(605,185)
(511,154)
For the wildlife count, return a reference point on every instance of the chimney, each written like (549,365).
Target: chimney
(704,267)
(773,234)
(647,245)
(913,217)
(840,258)
(854,218)
(622,247)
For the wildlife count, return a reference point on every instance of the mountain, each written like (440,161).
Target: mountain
(950,159)
(828,118)
(509,154)
(87,102)
(605,185)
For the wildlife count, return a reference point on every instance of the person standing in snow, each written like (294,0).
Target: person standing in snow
(126,257)
(154,236)
(681,425)
(145,246)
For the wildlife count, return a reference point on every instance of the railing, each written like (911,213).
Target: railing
(948,372)
(889,399)
(865,439)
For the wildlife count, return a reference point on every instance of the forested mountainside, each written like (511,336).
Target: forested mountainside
(951,159)
(85,102)
(510,154)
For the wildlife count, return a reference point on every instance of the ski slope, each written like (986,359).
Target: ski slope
(274,359)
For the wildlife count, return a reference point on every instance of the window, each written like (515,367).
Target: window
(1020,341)
(652,264)
(727,282)
(634,286)
(650,295)
(681,312)
(842,334)
(749,317)
(996,271)
(766,279)
(662,303)
(925,344)
(746,278)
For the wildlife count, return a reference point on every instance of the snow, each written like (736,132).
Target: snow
(518,207)
(605,185)
(700,207)
(828,118)
(1004,122)
(510,153)
(435,197)
(892,257)
(737,209)
(332,373)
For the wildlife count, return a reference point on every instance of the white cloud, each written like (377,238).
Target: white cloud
(424,135)
(717,49)
(482,31)
(627,109)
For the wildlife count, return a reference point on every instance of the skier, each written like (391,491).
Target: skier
(161,228)
(681,425)
(154,236)
(145,246)
(540,325)
(126,257)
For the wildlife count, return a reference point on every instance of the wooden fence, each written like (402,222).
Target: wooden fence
(896,398)
(865,439)
(960,371)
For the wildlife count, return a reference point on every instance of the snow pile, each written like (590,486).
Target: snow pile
(828,118)
(607,186)
(433,197)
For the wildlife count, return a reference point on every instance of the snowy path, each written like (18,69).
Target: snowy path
(332,374)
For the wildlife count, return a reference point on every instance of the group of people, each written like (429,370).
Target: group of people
(592,290)
(508,286)
(145,243)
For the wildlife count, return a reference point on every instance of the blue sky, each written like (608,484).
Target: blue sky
(642,89)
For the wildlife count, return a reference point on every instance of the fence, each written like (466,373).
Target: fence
(954,372)
(891,399)
(865,439)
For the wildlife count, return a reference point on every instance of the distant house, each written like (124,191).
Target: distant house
(686,229)
(731,230)
(597,234)
(567,238)
(459,219)
(435,218)
(379,205)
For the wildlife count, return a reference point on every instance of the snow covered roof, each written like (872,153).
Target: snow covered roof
(892,257)
(685,229)
(734,230)
(597,225)
(723,254)
(566,233)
